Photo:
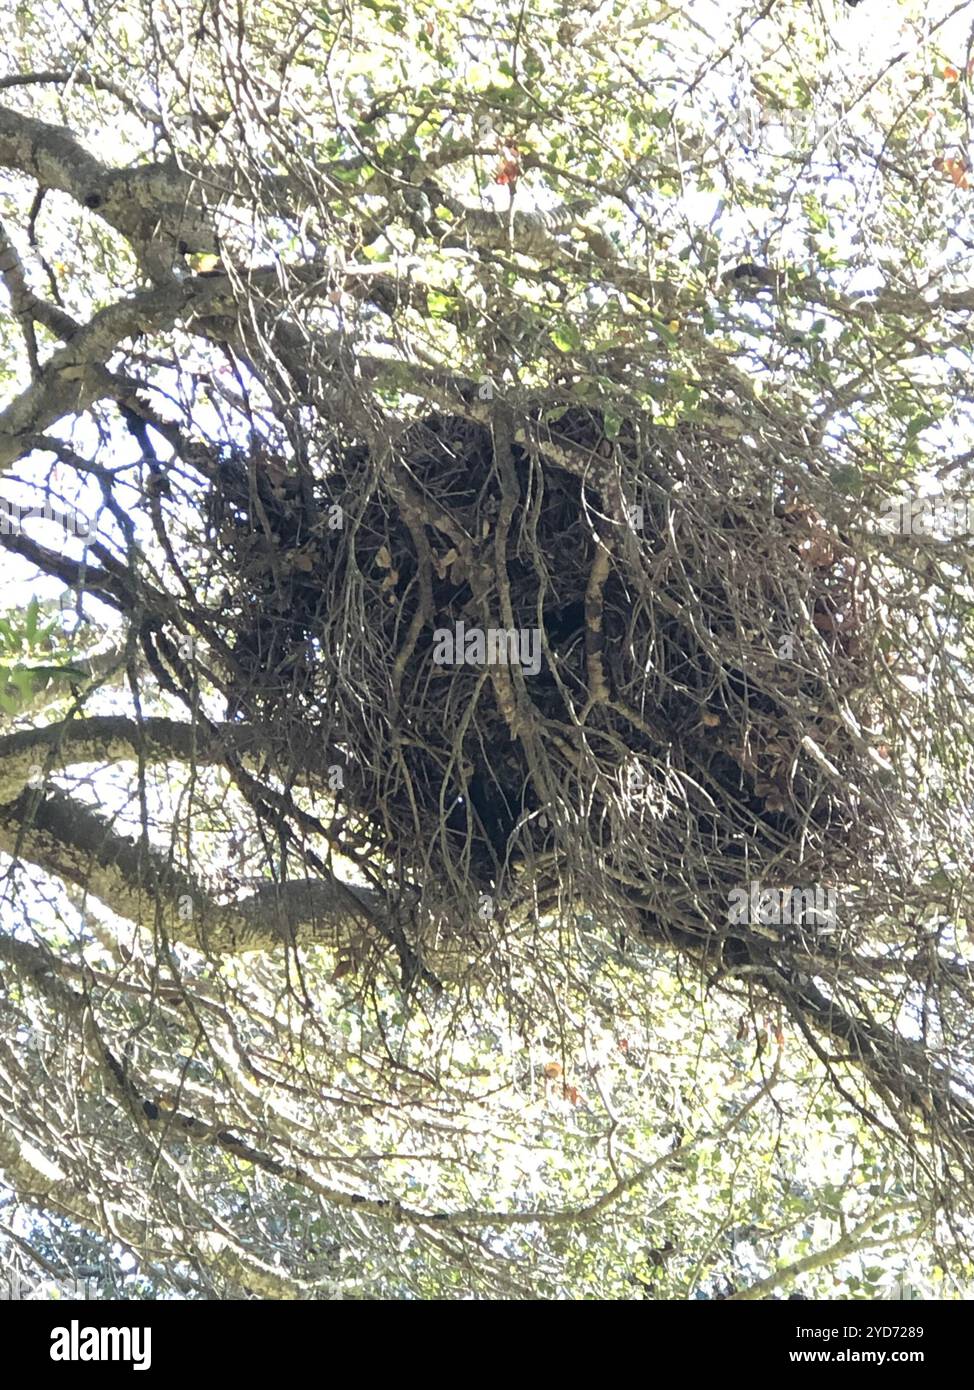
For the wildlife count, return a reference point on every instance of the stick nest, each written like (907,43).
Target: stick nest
(709,647)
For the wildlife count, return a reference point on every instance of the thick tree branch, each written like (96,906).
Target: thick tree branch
(75,376)
(115,738)
(65,838)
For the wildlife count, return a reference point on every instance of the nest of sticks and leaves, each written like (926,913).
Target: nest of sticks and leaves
(697,711)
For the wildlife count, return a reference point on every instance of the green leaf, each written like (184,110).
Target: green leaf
(440,305)
(917,425)
(566,337)
(848,480)
(611,424)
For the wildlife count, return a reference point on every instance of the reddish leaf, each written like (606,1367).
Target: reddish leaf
(508,172)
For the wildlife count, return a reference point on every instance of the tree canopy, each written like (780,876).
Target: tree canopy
(485,719)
